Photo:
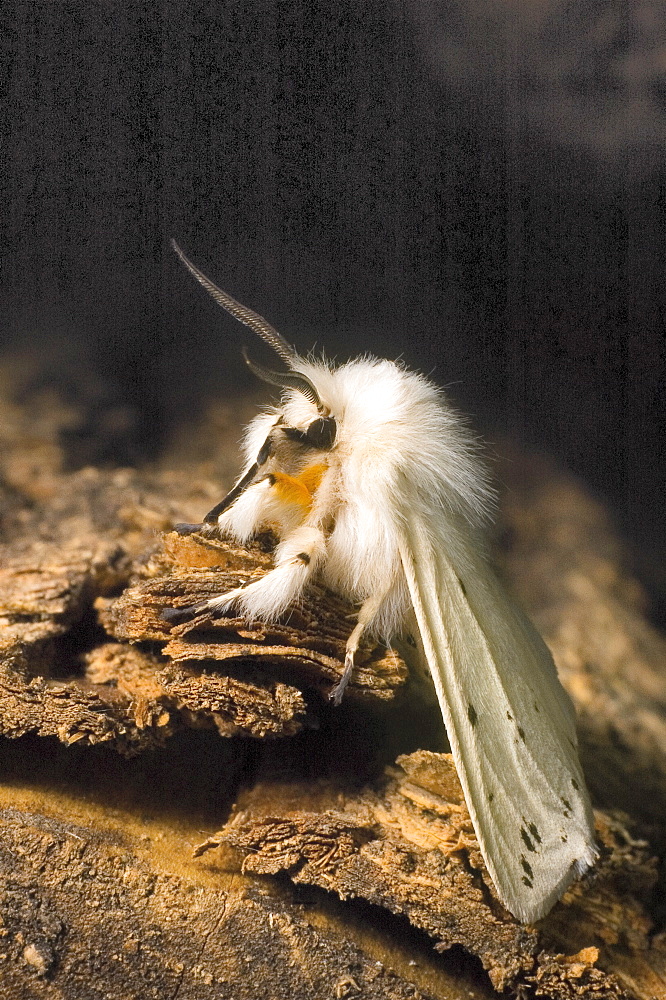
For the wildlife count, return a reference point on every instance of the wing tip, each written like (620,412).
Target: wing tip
(590,855)
(528,912)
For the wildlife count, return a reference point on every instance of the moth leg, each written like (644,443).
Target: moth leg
(243,519)
(298,556)
(297,559)
(213,516)
(185,528)
(368,610)
(219,605)
(175,616)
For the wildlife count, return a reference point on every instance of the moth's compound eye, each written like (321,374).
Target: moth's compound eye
(320,434)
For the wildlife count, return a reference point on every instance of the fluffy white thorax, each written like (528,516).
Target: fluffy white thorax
(387,414)
(397,439)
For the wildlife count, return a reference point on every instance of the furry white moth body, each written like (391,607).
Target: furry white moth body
(374,486)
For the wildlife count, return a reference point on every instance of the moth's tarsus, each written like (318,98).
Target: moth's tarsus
(174,616)
(184,528)
(336,694)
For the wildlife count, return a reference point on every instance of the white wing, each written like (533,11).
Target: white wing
(509,721)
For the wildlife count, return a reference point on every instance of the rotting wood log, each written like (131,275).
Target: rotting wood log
(344,863)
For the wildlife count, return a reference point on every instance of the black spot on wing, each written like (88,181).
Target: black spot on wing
(521,733)
(575,784)
(527,867)
(462,587)
(527,881)
(534,830)
(491,796)
(526,840)
(471,714)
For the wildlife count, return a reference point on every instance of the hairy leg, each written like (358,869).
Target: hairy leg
(368,610)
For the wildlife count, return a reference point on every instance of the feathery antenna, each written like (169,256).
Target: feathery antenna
(244,315)
(285,380)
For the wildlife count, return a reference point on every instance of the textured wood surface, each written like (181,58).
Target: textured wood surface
(184,814)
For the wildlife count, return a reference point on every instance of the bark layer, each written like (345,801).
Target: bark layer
(184,814)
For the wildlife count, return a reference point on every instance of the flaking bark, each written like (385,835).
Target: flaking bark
(312,851)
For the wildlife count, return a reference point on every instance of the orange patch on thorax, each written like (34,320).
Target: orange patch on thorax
(300,489)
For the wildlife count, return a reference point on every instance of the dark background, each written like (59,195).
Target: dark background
(477,186)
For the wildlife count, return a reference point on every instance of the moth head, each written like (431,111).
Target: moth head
(317,433)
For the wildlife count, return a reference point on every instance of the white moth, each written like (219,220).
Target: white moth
(375,487)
